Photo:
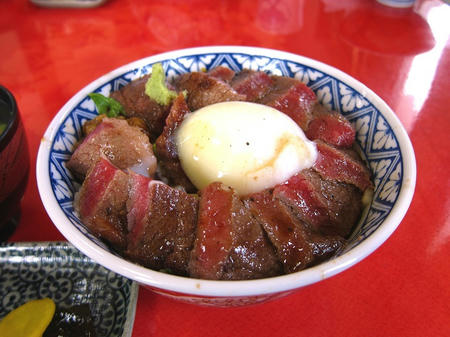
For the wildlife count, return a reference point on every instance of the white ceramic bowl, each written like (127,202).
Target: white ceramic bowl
(383,142)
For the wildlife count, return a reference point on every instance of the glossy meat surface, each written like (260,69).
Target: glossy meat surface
(230,244)
(166,148)
(127,147)
(137,104)
(204,90)
(101,203)
(163,228)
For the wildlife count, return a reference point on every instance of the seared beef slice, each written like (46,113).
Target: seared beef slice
(138,104)
(253,84)
(304,198)
(252,255)
(325,246)
(214,233)
(162,223)
(330,127)
(124,145)
(286,233)
(297,245)
(222,73)
(101,203)
(293,98)
(230,243)
(203,89)
(337,165)
(327,206)
(166,148)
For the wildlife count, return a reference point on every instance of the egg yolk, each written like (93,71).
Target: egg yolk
(247,146)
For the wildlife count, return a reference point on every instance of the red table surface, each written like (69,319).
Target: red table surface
(403,289)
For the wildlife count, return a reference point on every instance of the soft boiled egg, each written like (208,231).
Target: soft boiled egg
(247,146)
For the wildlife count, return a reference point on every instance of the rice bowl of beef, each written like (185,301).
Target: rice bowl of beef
(379,139)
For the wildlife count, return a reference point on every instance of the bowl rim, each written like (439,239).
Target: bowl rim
(244,288)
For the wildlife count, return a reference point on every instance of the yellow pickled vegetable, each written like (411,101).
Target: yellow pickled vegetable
(28,320)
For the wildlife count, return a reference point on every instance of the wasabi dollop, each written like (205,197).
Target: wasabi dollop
(156,87)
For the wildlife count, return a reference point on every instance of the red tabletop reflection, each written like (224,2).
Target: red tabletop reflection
(402,289)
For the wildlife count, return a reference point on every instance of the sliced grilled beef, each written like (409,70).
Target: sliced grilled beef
(327,206)
(101,203)
(230,243)
(222,73)
(214,240)
(162,223)
(297,245)
(252,256)
(166,149)
(293,98)
(325,246)
(138,104)
(138,205)
(253,84)
(285,231)
(343,203)
(204,89)
(330,127)
(127,147)
(338,165)
(305,199)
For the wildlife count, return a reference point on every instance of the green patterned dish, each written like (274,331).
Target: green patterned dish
(61,272)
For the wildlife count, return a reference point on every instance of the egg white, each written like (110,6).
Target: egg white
(247,146)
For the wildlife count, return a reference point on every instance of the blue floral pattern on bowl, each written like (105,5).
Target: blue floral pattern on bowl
(59,271)
(375,139)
